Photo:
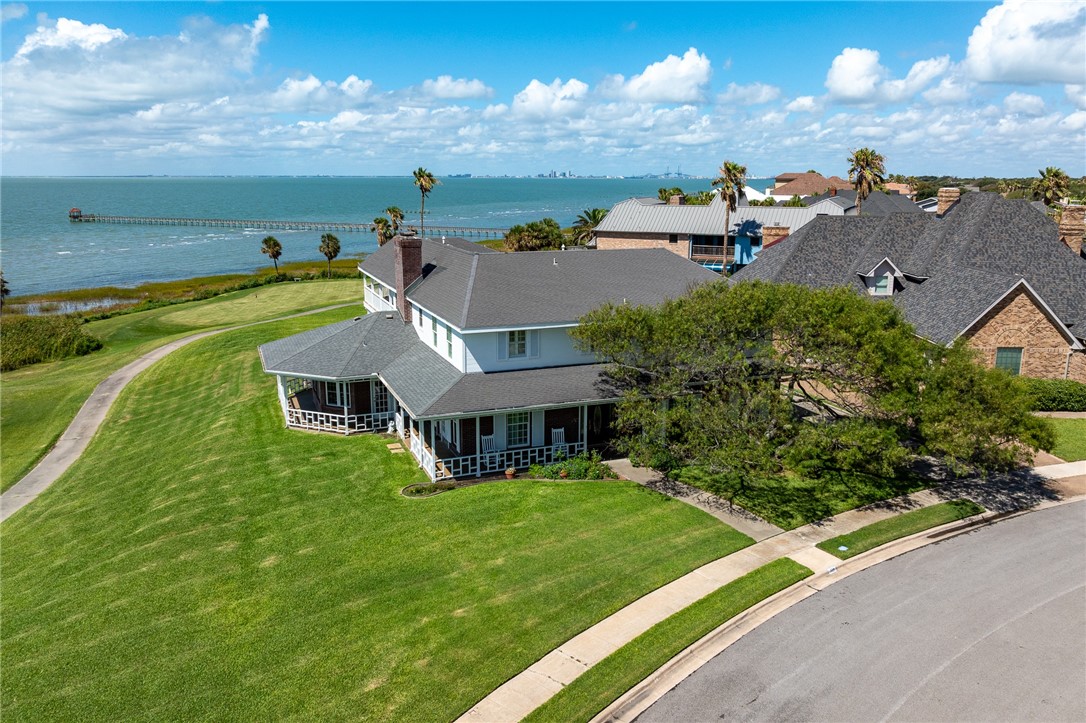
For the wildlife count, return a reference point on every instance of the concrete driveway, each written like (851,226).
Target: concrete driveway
(986,626)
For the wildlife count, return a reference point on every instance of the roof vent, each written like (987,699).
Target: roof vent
(555,261)
(358,318)
(389,316)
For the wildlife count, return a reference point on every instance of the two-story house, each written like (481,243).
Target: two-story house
(466,353)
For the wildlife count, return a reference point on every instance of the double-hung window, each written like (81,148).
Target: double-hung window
(433,327)
(448,339)
(518,344)
(516,429)
(884,285)
(337,394)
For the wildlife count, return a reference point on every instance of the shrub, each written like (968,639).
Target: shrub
(584,466)
(1057,395)
(32,339)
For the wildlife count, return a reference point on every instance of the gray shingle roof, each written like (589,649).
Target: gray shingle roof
(523,388)
(971,258)
(639,215)
(350,349)
(876,204)
(494,290)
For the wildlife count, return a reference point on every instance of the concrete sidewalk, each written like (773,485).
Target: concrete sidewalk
(525,692)
(93,412)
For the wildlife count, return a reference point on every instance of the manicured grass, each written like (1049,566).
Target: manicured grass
(1070,439)
(603,683)
(202,562)
(893,528)
(40,401)
(790,501)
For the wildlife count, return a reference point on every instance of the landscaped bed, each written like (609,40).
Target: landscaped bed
(201,561)
(888,530)
(604,682)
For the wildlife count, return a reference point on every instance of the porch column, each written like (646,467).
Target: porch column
(433,452)
(582,426)
(478,451)
(281,389)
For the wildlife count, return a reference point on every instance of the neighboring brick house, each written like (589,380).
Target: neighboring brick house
(985,268)
(697,232)
(805,184)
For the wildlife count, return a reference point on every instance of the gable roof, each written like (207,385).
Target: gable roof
(474,291)
(809,184)
(876,204)
(640,215)
(970,259)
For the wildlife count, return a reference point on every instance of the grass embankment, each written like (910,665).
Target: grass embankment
(1070,439)
(894,528)
(201,561)
(603,683)
(40,401)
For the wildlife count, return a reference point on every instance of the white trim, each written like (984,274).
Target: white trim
(1075,343)
(491,329)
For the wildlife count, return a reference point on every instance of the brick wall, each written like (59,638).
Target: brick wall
(1018,322)
(773,234)
(611,240)
(1077,367)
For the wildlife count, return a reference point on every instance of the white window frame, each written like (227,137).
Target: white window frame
(433,329)
(380,398)
(340,392)
(522,429)
(448,340)
(516,344)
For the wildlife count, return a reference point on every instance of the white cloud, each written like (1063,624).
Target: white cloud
(752,94)
(671,80)
(857,76)
(1024,103)
(444,86)
(803,104)
(1076,94)
(12,11)
(1029,42)
(69,34)
(1075,122)
(539,100)
(951,90)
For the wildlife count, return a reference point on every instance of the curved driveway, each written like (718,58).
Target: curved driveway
(986,626)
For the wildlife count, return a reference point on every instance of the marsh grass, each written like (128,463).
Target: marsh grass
(201,561)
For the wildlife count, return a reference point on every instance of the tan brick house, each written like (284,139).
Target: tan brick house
(994,271)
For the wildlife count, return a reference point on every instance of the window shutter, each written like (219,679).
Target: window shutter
(503,345)
(533,344)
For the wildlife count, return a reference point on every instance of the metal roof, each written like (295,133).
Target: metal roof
(638,215)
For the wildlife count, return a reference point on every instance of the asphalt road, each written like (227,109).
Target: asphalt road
(988,626)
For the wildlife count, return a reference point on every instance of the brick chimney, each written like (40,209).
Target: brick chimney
(833,191)
(408,268)
(677,200)
(947,198)
(1073,227)
(773,235)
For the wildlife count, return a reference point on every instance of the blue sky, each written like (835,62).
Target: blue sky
(351,88)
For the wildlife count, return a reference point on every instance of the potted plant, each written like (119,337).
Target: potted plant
(510,472)
(563,473)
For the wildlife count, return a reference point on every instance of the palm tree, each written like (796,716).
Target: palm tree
(383,229)
(865,173)
(586,223)
(330,248)
(731,180)
(1052,186)
(395,215)
(426,182)
(272,248)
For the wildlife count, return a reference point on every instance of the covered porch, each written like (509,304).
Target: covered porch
(487,444)
(341,407)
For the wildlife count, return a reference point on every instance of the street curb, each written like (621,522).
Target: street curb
(638,699)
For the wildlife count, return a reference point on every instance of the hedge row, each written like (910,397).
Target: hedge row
(32,339)
(1057,395)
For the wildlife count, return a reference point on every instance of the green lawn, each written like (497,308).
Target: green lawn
(604,682)
(894,528)
(40,401)
(1070,439)
(200,561)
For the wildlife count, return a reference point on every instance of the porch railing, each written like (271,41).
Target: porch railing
(341,423)
(493,462)
(712,251)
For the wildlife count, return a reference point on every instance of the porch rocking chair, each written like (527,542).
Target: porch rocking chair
(490,455)
(558,441)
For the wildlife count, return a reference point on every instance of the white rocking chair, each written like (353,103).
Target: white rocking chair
(489,454)
(558,440)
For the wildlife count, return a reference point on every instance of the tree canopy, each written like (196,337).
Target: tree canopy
(586,223)
(535,235)
(271,248)
(731,180)
(383,228)
(329,248)
(425,182)
(748,380)
(866,172)
(1052,186)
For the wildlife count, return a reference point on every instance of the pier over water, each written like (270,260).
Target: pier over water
(75,215)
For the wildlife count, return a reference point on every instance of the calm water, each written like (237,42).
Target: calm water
(40,250)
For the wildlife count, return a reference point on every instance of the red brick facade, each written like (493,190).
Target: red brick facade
(611,240)
(1019,322)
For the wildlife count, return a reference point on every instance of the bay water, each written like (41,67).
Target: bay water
(42,251)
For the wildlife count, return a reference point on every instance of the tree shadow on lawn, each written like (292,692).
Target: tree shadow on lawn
(1007,492)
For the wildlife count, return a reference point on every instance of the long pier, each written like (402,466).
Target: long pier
(77,216)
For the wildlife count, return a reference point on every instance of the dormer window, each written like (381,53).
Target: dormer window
(884,279)
(884,285)
(518,344)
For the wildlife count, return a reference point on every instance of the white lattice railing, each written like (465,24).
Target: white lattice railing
(296,384)
(341,423)
(493,462)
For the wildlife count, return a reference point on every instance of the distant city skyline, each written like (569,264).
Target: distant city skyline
(500,88)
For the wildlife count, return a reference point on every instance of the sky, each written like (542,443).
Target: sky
(613,88)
